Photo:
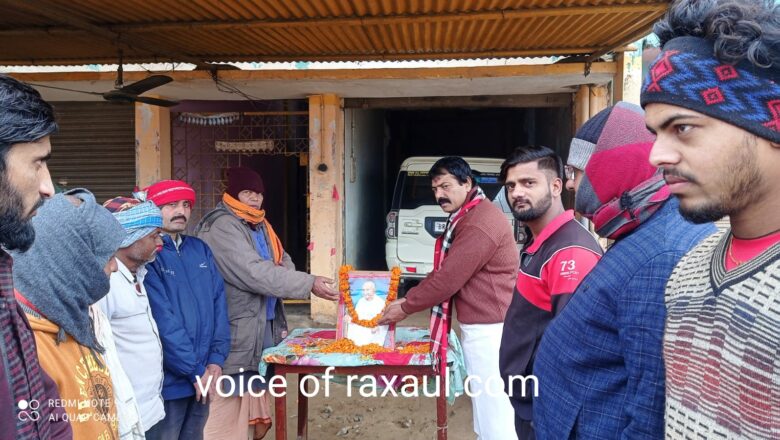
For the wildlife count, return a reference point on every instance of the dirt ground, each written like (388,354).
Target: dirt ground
(377,418)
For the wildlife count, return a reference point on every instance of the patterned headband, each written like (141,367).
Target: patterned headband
(687,74)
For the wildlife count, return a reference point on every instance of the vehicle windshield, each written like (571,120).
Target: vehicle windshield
(417,192)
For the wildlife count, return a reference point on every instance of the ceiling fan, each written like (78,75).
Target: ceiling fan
(129,93)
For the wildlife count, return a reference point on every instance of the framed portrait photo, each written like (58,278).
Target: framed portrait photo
(364,296)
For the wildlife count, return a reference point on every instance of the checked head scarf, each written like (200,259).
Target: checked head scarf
(138,218)
(440,314)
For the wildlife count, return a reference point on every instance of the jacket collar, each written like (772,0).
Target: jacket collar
(169,244)
(126,274)
(549,230)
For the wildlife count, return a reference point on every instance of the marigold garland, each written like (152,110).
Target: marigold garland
(298,350)
(416,349)
(348,346)
(392,294)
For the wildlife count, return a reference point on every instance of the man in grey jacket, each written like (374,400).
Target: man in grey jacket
(258,273)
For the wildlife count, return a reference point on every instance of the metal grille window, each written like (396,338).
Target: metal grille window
(273,139)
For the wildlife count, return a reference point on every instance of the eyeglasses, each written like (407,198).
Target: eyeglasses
(569,170)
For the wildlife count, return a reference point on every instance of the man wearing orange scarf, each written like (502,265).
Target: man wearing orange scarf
(258,273)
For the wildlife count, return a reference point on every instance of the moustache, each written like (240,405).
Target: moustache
(179,217)
(443,200)
(674,172)
(520,201)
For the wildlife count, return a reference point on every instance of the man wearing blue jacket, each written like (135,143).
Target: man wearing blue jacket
(187,296)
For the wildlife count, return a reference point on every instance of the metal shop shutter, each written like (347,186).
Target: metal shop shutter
(94,148)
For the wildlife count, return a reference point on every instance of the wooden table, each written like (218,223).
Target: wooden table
(290,358)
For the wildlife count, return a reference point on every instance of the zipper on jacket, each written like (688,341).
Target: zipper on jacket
(189,286)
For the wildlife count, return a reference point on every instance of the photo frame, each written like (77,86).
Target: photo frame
(364,296)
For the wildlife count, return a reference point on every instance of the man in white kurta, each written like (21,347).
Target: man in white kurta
(127,306)
(369,306)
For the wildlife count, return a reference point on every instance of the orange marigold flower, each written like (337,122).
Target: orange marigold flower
(392,294)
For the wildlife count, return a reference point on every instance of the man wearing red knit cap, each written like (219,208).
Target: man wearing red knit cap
(170,191)
(187,297)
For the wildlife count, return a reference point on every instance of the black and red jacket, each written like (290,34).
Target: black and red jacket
(552,265)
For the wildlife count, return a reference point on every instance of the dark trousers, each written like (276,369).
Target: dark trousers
(184,420)
(524,429)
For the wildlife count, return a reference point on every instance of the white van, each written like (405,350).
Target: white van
(415,219)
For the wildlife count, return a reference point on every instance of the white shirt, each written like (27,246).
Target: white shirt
(127,411)
(366,309)
(137,340)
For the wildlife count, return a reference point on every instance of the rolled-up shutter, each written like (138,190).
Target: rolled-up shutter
(94,148)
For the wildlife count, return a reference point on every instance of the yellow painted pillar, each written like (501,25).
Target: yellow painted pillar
(581,107)
(620,73)
(599,99)
(632,79)
(326,194)
(627,83)
(152,144)
(589,100)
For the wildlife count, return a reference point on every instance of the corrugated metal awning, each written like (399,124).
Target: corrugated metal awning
(47,32)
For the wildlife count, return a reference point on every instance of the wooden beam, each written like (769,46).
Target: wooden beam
(152,144)
(60,15)
(417,55)
(631,77)
(619,78)
(505,101)
(581,110)
(326,212)
(598,100)
(337,74)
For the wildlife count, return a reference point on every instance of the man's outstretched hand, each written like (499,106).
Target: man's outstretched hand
(325,288)
(393,313)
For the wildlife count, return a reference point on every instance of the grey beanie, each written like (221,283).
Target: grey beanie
(584,142)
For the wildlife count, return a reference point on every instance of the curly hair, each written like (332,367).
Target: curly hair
(739,29)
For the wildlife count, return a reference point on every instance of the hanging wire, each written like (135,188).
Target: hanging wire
(225,87)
